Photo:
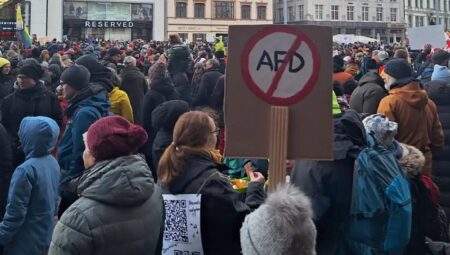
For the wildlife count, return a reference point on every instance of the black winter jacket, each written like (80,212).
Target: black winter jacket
(179,59)
(222,209)
(6,168)
(367,96)
(37,101)
(135,85)
(329,184)
(439,92)
(207,84)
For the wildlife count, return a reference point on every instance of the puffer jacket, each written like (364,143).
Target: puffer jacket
(120,211)
(366,97)
(179,59)
(33,194)
(439,92)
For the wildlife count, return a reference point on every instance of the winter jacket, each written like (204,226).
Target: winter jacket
(329,184)
(181,84)
(222,210)
(207,85)
(217,99)
(135,85)
(6,85)
(179,59)
(164,118)
(439,92)
(37,101)
(83,110)
(160,92)
(441,73)
(417,118)
(120,211)
(342,77)
(367,96)
(6,167)
(120,104)
(33,194)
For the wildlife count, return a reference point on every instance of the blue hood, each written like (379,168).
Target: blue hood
(38,136)
(97,100)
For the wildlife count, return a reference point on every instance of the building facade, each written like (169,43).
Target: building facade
(208,19)
(420,13)
(382,19)
(108,19)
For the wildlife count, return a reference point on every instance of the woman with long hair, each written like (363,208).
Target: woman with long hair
(191,165)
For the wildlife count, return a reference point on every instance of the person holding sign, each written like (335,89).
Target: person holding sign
(191,165)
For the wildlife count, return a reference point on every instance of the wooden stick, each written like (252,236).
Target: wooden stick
(279,125)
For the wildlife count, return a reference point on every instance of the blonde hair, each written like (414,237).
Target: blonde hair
(191,135)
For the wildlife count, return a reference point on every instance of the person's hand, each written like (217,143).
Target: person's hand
(257,177)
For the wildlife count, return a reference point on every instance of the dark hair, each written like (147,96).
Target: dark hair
(215,64)
(349,86)
(174,39)
(337,89)
(401,53)
(338,64)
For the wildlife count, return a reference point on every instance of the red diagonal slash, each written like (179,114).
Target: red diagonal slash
(279,73)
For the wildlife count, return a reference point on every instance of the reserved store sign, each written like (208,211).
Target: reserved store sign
(108,24)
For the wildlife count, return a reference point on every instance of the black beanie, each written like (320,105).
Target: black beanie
(32,70)
(399,69)
(76,76)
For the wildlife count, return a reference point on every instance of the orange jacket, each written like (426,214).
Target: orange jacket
(417,118)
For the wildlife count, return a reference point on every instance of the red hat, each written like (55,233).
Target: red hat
(114,136)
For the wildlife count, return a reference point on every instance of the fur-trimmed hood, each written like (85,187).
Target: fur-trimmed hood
(412,160)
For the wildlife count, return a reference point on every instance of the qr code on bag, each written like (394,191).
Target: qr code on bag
(176,227)
(177,252)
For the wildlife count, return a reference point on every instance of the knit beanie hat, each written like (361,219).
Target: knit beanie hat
(114,136)
(383,129)
(32,70)
(399,69)
(77,76)
(3,62)
(282,225)
(440,57)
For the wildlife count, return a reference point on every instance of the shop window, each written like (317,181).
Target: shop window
(199,10)
(181,10)
(224,10)
(183,36)
(245,12)
(261,12)
(199,37)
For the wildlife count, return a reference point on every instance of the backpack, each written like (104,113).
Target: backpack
(380,216)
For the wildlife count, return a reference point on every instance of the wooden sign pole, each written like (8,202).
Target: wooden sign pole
(279,127)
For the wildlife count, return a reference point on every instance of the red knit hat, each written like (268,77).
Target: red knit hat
(114,136)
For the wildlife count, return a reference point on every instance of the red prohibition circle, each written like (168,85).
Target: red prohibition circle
(280,101)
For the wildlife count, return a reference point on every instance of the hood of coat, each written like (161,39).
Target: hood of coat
(371,77)
(412,94)
(163,86)
(166,115)
(441,73)
(93,96)
(439,92)
(349,135)
(124,181)
(412,159)
(38,136)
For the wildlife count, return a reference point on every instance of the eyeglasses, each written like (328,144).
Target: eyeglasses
(216,131)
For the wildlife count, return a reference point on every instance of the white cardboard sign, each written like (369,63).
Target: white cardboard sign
(419,36)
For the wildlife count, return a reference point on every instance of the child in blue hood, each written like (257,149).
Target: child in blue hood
(33,194)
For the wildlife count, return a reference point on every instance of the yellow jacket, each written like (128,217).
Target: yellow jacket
(120,104)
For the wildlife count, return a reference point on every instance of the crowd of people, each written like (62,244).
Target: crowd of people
(94,135)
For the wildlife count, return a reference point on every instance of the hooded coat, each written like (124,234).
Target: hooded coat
(161,90)
(222,209)
(417,118)
(439,92)
(85,108)
(37,101)
(6,168)
(207,84)
(440,73)
(367,96)
(33,194)
(120,211)
(135,85)
(329,184)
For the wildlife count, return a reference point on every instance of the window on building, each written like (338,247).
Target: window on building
(199,10)
(261,12)
(417,4)
(410,20)
(379,13)
(223,10)
(335,12)
(319,11)
(301,12)
(394,14)
(183,36)
(199,37)
(428,4)
(180,11)
(419,21)
(365,13)
(409,3)
(421,4)
(291,13)
(350,12)
(245,11)
(280,14)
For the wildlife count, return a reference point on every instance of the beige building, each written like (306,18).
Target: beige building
(207,19)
